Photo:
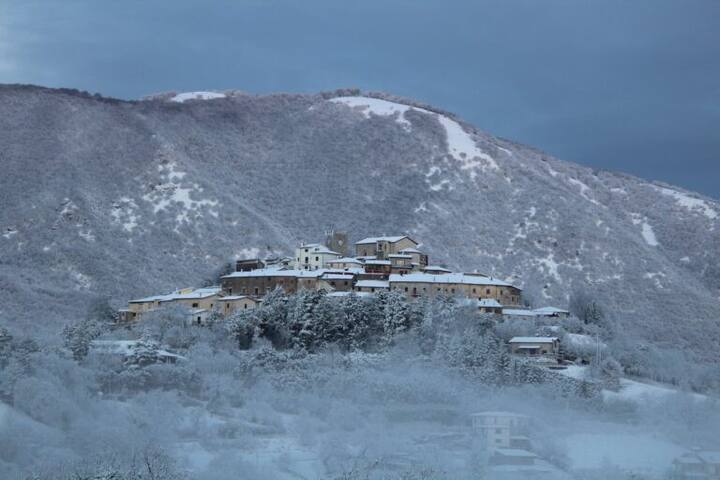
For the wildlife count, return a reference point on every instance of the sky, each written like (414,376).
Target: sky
(624,85)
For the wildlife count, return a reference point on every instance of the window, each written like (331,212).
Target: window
(306,259)
(406,289)
(346,282)
(245,306)
(473,290)
(487,291)
(199,321)
(317,259)
(230,291)
(194,305)
(256,290)
(372,289)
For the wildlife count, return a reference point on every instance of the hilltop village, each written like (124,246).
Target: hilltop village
(385,263)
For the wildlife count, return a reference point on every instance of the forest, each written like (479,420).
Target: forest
(309,386)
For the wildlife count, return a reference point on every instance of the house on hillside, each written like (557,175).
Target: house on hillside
(344,263)
(467,285)
(501,429)
(230,304)
(258,283)
(535,346)
(248,264)
(377,269)
(697,465)
(371,286)
(200,298)
(419,260)
(314,256)
(339,281)
(381,247)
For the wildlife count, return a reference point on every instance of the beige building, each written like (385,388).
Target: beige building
(344,263)
(418,259)
(381,247)
(196,299)
(371,286)
(314,256)
(534,346)
(462,284)
(230,304)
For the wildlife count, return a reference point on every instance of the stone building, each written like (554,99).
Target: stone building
(381,247)
(313,256)
(468,285)
(257,283)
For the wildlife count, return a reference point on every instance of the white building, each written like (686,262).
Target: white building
(501,429)
(314,256)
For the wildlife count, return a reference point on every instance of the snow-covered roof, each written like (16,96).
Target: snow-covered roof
(393,239)
(377,262)
(448,278)
(533,339)
(398,255)
(273,272)
(515,452)
(489,303)
(372,284)
(186,294)
(318,248)
(345,271)
(234,298)
(436,268)
(519,312)
(346,260)
(338,276)
(551,311)
(410,250)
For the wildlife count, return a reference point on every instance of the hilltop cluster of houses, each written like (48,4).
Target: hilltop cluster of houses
(386,263)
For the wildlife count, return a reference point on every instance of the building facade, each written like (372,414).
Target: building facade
(461,284)
(314,256)
(381,247)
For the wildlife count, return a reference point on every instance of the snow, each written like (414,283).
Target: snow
(584,189)
(649,235)
(637,452)
(369,240)
(461,145)
(183,97)
(690,203)
(9,232)
(641,391)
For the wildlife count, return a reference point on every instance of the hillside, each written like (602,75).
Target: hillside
(107,197)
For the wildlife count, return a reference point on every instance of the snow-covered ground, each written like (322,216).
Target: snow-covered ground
(461,145)
(636,452)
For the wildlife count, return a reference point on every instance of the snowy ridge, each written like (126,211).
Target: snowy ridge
(183,97)
(461,146)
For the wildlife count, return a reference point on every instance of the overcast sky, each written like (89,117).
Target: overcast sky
(629,85)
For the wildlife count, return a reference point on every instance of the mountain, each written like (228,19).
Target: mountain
(103,197)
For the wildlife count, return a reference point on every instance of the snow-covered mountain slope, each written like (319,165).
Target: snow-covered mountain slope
(107,197)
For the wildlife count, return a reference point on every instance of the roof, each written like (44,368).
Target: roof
(233,298)
(533,339)
(198,293)
(318,248)
(489,302)
(338,276)
(377,262)
(274,272)
(372,284)
(346,260)
(515,452)
(436,268)
(410,250)
(459,278)
(551,311)
(394,239)
(519,312)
